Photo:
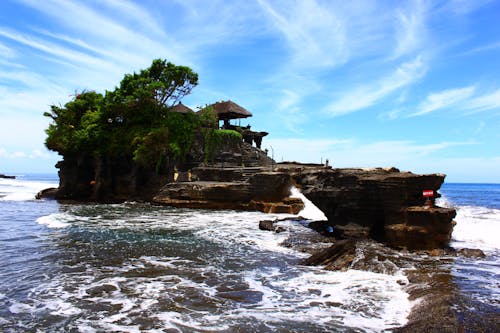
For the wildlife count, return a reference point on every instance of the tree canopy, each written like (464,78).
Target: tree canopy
(123,121)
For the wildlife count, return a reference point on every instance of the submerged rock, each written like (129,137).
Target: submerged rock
(471,253)
(339,256)
(267,225)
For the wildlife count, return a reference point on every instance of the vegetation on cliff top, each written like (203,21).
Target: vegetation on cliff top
(134,120)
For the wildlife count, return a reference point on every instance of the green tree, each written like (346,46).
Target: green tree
(75,126)
(129,120)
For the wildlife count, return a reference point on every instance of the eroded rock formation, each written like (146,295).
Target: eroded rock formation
(233,189)
(384,204)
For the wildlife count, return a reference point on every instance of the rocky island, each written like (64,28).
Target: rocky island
(139,142)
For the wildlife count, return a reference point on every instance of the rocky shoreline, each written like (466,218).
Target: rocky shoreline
(438,304)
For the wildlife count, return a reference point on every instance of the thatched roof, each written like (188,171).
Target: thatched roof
(180,108)
(230,110)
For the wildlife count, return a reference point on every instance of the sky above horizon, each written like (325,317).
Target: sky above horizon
(410,84)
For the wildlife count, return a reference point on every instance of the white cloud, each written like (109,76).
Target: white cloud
(38,160)
(54,49)
(484,102)
(131,12)
(288,99)
(363,97)
(315,34)
(463,7)
(410,29)
(444,99)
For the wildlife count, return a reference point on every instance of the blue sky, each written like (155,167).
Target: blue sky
(411,84)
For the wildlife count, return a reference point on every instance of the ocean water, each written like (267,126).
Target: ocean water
(478,227)
(135,267)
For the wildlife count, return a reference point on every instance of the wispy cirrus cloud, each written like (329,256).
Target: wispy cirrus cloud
(327,36)
(366,96)
(444,99)
(6,52)
(465,99)
(316,36)
(410,28)
(34,154)
(484,102)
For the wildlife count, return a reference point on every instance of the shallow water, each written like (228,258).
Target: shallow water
(136,267)
(140,268)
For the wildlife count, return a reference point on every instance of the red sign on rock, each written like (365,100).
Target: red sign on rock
(428,193)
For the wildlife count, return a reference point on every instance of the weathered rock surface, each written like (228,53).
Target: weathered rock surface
(265,191)
(422,228)
(339,256)
(117,179)
(86,178)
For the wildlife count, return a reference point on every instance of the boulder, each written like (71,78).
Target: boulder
(48,193)
(421,228)
(267,225)
(339,256)
(471,253)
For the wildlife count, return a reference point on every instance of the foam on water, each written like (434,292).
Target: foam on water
(369,302)
(21,190)
(477,227)
(310,211)
(102,279)
(56,220)
(358,299)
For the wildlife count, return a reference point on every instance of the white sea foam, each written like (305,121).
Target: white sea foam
(21,190)
(62,308)
(310,211)
(358,299)
(477,227)
(56,220)
(17,307)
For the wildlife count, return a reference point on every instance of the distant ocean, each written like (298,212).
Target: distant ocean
(135,267)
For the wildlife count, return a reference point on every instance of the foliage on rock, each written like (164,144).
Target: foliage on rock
(133,120)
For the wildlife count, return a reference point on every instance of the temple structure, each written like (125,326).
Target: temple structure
(181,108)
(229,110)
